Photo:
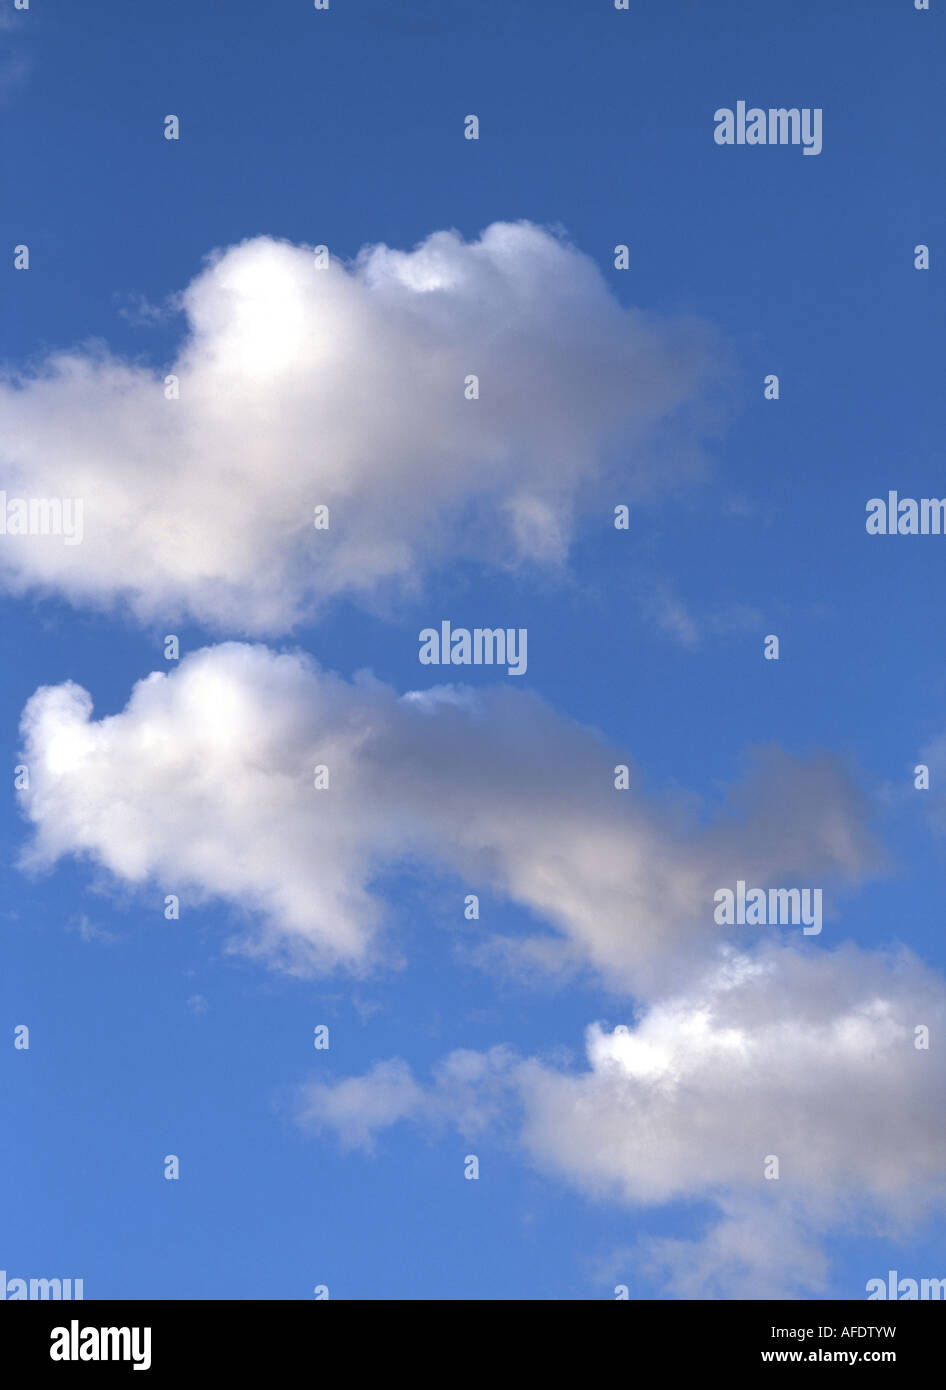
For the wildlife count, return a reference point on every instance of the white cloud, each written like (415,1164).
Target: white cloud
(756,1251)
(808,1057)
(345,387)
(467,1091)
(204,785)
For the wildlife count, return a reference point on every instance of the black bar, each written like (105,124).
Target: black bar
(325,1338)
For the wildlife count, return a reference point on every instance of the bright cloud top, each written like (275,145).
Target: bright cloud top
(344,387)
(204,784)
(810,1058)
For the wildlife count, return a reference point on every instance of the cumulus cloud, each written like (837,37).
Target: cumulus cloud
(810,1058)
(205,784)
(344,387)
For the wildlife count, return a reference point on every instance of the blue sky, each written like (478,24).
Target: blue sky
(345,128)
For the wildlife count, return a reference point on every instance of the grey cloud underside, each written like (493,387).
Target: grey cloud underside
(204,783)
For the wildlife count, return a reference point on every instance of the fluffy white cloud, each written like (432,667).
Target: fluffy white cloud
(204,784)
(809,1057)
(344,387)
